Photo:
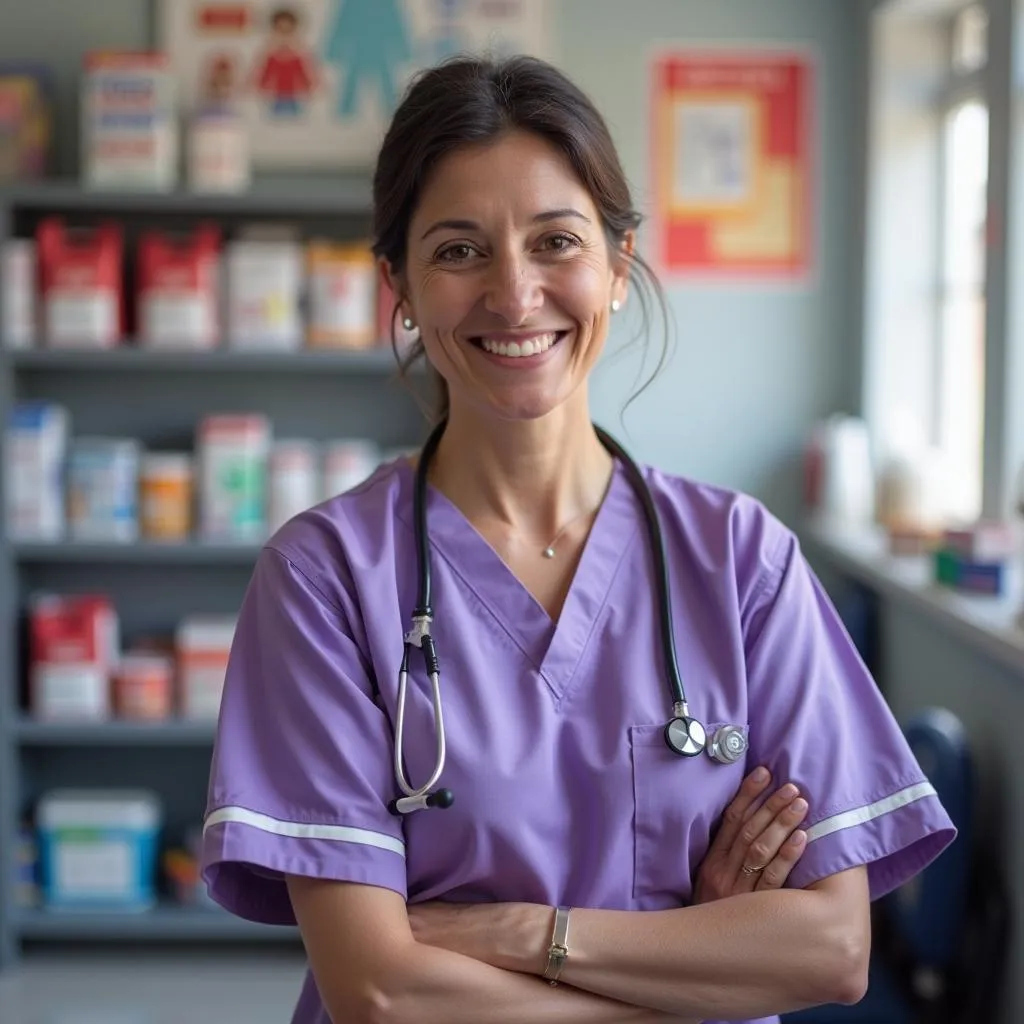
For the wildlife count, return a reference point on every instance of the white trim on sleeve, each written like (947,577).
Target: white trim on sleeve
(303,830)
(862,815)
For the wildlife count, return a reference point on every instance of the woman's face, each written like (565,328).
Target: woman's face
(509,277)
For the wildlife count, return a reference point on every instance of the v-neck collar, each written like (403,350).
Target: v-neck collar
(553,648)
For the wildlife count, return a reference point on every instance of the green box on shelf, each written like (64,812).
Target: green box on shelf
(947,567)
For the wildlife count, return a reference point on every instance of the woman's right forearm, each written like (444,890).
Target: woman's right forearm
(427,985)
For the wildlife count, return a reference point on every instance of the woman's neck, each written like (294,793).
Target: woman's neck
(534,476)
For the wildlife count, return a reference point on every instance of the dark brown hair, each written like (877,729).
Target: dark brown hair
(472,101)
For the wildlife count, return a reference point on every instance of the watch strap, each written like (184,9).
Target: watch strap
(558,950)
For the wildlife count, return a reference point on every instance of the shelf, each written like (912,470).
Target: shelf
(31,733)
(166,923)
(994,625)
(131,358)
(140,553)
(300,196)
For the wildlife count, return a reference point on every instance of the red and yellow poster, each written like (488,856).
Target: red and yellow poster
(731,160)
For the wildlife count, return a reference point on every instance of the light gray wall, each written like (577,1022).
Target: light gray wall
(755,365)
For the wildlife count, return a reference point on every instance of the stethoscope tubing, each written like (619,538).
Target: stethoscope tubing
(416,797)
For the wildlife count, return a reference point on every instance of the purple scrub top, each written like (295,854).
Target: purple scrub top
(565,792)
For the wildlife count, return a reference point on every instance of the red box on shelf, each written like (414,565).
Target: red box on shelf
(73,646)
(80,277)
(177,288)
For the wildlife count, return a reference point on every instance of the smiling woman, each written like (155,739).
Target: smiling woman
(574,216)
(445,862)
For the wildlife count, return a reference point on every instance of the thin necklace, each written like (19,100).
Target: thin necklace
(549,550)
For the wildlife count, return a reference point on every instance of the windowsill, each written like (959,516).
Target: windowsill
(994,625)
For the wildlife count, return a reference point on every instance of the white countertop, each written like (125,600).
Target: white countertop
(993,624)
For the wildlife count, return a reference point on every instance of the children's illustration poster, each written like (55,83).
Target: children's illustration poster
(732,163)
(317,80)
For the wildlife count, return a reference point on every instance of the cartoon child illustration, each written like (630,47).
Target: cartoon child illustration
(286,72)
(218,82)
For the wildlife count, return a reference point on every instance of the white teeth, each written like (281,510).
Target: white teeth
(520,349)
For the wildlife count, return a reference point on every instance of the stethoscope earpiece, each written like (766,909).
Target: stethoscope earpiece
(440,798)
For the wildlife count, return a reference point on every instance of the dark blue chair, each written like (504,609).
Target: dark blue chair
(936,950)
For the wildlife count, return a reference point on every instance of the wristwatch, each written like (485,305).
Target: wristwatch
(558,951)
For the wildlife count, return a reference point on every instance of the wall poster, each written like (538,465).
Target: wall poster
(731,158)
(317,80)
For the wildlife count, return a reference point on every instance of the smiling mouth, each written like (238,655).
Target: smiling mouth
(534,346)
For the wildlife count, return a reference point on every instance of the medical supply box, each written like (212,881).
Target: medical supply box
(98,849)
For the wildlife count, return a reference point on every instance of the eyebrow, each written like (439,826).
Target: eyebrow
(470,225)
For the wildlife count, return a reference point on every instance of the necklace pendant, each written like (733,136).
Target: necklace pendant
(548,552)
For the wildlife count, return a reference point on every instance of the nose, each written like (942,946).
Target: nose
(514,289)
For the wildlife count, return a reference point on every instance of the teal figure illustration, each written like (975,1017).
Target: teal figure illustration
(368,42)
(449,39)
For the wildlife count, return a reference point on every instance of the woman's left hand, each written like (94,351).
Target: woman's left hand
(513,936)
(756,846)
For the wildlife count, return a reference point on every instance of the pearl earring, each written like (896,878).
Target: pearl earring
(616,305)
(407,323)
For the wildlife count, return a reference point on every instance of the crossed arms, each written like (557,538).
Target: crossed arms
(746,948)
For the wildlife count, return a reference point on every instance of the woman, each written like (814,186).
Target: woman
(505,228)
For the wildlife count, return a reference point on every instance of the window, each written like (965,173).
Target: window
(925,303)
(959,363)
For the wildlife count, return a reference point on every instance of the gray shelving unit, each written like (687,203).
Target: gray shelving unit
(159,397)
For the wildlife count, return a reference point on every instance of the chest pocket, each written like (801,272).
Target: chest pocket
(678,803)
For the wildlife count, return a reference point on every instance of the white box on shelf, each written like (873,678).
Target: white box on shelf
(231,455)
(263,280)
(129,121)
(103,489)
(294,480)
(18,329)
(35,446)
(203,644)
(347,463)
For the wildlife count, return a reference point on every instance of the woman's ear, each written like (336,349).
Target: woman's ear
(394,283)
(623,259)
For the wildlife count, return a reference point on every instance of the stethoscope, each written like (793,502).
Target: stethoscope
(684,734)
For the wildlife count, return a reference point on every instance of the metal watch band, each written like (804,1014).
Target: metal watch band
(558,951)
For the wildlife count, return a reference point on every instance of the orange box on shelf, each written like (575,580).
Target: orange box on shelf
(166,488)
(342,296)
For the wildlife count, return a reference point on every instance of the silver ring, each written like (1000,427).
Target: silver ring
(751,871)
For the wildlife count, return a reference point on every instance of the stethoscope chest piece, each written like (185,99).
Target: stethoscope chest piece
(685,736)
(728,744)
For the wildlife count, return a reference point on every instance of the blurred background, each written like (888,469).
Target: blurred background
(194,347)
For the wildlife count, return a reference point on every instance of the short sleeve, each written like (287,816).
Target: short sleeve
(818,720)
(301,773)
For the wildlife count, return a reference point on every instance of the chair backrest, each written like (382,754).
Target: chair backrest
(929,913)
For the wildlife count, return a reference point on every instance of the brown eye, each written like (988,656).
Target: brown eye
(457,253)
(562,243)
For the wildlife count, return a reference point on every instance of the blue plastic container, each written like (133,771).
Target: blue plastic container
(98,849)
